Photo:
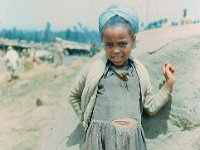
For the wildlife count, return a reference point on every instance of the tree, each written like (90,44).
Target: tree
(48,36)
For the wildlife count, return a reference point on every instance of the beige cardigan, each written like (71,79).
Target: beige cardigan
(83,93)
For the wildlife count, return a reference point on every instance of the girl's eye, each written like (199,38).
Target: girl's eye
(109,45)
(122,44)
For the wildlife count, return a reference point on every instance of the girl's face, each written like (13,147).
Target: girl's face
(118,43)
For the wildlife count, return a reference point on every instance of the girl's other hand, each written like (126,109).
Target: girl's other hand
(168,71)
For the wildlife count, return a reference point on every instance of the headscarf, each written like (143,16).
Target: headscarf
(126,14)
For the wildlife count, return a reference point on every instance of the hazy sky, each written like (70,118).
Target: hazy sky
(33,14)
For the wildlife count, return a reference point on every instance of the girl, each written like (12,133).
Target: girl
(111,92)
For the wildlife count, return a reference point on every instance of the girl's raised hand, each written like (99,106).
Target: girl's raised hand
(168,71)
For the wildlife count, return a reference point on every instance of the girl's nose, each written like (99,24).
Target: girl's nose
(116,50)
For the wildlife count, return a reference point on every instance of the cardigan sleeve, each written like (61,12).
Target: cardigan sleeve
(75,93)
(154,102)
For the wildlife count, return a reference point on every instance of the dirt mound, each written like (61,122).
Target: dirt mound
(178,122)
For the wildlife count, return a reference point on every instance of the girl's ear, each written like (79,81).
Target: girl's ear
(134,38)
(134,42)
(134,45)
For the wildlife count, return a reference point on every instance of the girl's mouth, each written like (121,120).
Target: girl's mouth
(116,58)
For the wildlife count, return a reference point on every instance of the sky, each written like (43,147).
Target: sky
(62,14)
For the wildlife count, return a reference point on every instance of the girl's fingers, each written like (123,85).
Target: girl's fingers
(169,67)
(163,68)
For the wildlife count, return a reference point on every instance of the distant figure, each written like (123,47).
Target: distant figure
(27,60)
(186,18)
(35,58)
(12,61)
(59,52)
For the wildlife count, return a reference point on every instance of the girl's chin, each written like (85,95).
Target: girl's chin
(117,64)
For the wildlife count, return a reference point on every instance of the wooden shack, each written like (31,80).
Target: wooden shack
(17,45)
(75,48)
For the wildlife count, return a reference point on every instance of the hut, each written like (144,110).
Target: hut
(75,48)
(17,45)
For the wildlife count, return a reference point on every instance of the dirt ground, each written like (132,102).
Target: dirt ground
(28,103)
(35,114)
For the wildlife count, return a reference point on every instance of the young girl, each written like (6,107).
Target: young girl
(111,92)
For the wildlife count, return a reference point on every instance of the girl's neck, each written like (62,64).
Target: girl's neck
(125,66)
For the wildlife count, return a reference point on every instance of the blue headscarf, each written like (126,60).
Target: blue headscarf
(125,13)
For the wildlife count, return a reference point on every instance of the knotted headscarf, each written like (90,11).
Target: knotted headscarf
(126,14)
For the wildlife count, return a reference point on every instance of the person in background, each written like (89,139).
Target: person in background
(27,59)
(36,59)
(59,52)
(186,19)
(111,92)
(12,62)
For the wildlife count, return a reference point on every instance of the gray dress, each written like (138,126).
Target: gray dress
(116,99)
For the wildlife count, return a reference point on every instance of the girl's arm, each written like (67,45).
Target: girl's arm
(154,102)
(75,93)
